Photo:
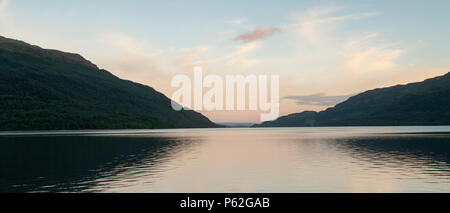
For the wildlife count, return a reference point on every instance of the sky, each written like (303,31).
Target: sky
(323,51)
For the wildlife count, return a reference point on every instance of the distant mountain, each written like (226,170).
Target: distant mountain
(44,89)
(422,103)
(237,125)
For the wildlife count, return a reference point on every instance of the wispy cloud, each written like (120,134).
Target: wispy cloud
(372,59)
(7,26)
(240,54)
(238,21)
(342,53)
(3,5)
(318,99)
(257,34)
(367,53)
(130,58)
(125,43)
(191,58)
(313,24)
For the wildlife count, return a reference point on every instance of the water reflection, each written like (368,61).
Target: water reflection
(411,156)
(81,163)
(357,159)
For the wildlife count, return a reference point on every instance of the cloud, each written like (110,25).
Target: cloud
(257,34)
(191,58)
(3,5)
(367,53)
(7,26)
(318,99)
(240,54)
(238,21)
(129,58)
(341,53)
(125,43)
(3,15)
(313,24)
(373,59)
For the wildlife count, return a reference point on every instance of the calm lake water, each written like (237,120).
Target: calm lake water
(345,159)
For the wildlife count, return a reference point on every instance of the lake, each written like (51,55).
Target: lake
(328,159)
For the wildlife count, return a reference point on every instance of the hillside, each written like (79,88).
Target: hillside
(44,89)
(421,103)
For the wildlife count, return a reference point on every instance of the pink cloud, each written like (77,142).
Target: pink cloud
(257,34)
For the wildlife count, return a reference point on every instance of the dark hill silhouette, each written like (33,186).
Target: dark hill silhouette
(44,89)
(421,103)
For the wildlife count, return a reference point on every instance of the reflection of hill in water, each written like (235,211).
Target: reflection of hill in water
(71,163)
(430,153)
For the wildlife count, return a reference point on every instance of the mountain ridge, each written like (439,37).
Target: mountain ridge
(417,103)
(23,47)
(43,89)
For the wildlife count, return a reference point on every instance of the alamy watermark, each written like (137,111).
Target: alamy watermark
(229,93)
